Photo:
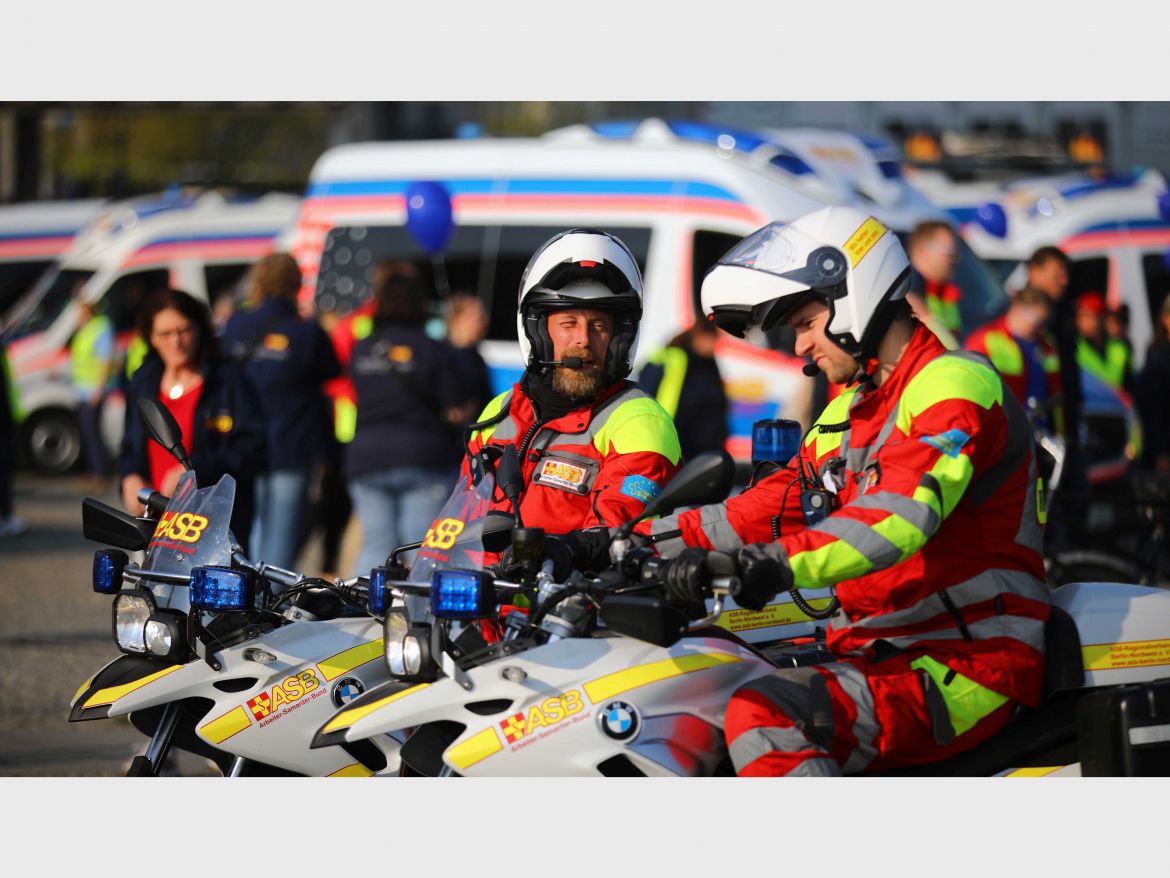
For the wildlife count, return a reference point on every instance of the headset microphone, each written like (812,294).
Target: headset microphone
(568,362)
(810,369)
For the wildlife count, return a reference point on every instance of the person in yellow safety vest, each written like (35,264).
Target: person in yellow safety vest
(1025,355)
(1107,358)
(11,415)
(91,364)
(135,354)
(685,380)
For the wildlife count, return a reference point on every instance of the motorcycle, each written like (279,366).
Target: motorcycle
(227,658)
(601,676)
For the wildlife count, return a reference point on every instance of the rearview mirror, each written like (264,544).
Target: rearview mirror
(163,429)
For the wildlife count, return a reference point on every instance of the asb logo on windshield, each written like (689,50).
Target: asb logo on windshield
(185,527)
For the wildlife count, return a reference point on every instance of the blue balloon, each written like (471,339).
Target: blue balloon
(428,215)
(1164,205)
(993,218)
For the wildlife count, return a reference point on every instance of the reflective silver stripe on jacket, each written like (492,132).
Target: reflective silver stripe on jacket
(978,589)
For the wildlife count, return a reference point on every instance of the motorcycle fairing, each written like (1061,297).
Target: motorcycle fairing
(557,693)
(121,677)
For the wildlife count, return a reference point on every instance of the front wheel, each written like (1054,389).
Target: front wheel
(52,441)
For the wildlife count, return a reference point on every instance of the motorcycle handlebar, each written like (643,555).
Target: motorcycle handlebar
(153,500)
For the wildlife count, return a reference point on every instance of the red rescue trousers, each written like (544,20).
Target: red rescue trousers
(846,717)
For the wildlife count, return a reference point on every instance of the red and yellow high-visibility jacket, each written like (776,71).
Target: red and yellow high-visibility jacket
(936,543)
(597,465)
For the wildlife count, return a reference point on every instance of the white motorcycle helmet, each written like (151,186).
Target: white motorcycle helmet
(844,257)
(581,268)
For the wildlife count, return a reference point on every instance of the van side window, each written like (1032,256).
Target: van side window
(1157,277)
(706,249)
(225,280)
(16,278)
(125,296)
(1088,275)
(485,260)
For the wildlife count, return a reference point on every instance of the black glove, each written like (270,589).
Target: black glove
(686,579)
(589,548)
(760,577)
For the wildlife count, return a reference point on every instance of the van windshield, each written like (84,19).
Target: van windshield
(37,310)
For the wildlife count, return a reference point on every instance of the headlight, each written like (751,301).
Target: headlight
(412,653)
(108,565)
(165,637)
(131,610)
(394,629)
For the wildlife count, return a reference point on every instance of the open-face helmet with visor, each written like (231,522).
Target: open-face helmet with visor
(839,255)
(581,268)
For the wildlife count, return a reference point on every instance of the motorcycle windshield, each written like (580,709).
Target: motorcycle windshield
(455,538)
(192,532)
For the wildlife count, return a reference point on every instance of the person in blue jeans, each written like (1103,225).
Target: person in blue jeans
(287,359)
(412,397)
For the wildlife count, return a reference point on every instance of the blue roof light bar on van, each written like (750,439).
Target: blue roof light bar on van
(1114,181)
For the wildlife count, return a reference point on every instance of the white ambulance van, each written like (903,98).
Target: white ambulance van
(32,235)
(1116,231)
(199,242)
(679,197)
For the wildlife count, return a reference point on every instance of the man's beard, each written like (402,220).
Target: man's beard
(581,383)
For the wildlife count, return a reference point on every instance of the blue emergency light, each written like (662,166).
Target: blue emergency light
(376,594)
(221,589)
(993,218)
(108,565)
(462,594)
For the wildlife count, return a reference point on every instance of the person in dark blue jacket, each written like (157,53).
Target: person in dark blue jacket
(685,380)
(217,409)
(411,400)
(287,359)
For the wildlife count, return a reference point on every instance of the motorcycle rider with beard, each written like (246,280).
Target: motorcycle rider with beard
(594,448)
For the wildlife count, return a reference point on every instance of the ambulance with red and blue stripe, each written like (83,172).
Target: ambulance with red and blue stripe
(32,235)
(678,193)
(202,242)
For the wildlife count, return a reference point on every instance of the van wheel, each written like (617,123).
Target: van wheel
(52,441)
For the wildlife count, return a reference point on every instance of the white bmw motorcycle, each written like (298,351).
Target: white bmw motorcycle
(214,661)
(601,677)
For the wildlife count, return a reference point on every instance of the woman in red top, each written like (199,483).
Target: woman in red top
(215,407)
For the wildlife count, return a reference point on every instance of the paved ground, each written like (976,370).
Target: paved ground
(55,634)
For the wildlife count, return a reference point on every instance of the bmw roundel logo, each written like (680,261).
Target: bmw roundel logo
(619,720)
(346,690)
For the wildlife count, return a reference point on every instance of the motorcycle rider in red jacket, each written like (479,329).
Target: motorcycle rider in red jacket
(933,536)
(594,448)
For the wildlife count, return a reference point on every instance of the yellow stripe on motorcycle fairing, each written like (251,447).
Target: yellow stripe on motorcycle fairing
(475,749)
(77,694)
(354,770)
(1034,772)
(109,696)
(219,730)
(346,718)
(611,685)
(343,662)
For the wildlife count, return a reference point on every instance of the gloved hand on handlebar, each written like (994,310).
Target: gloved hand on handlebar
(760,576)
(555,549)
(590,547)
